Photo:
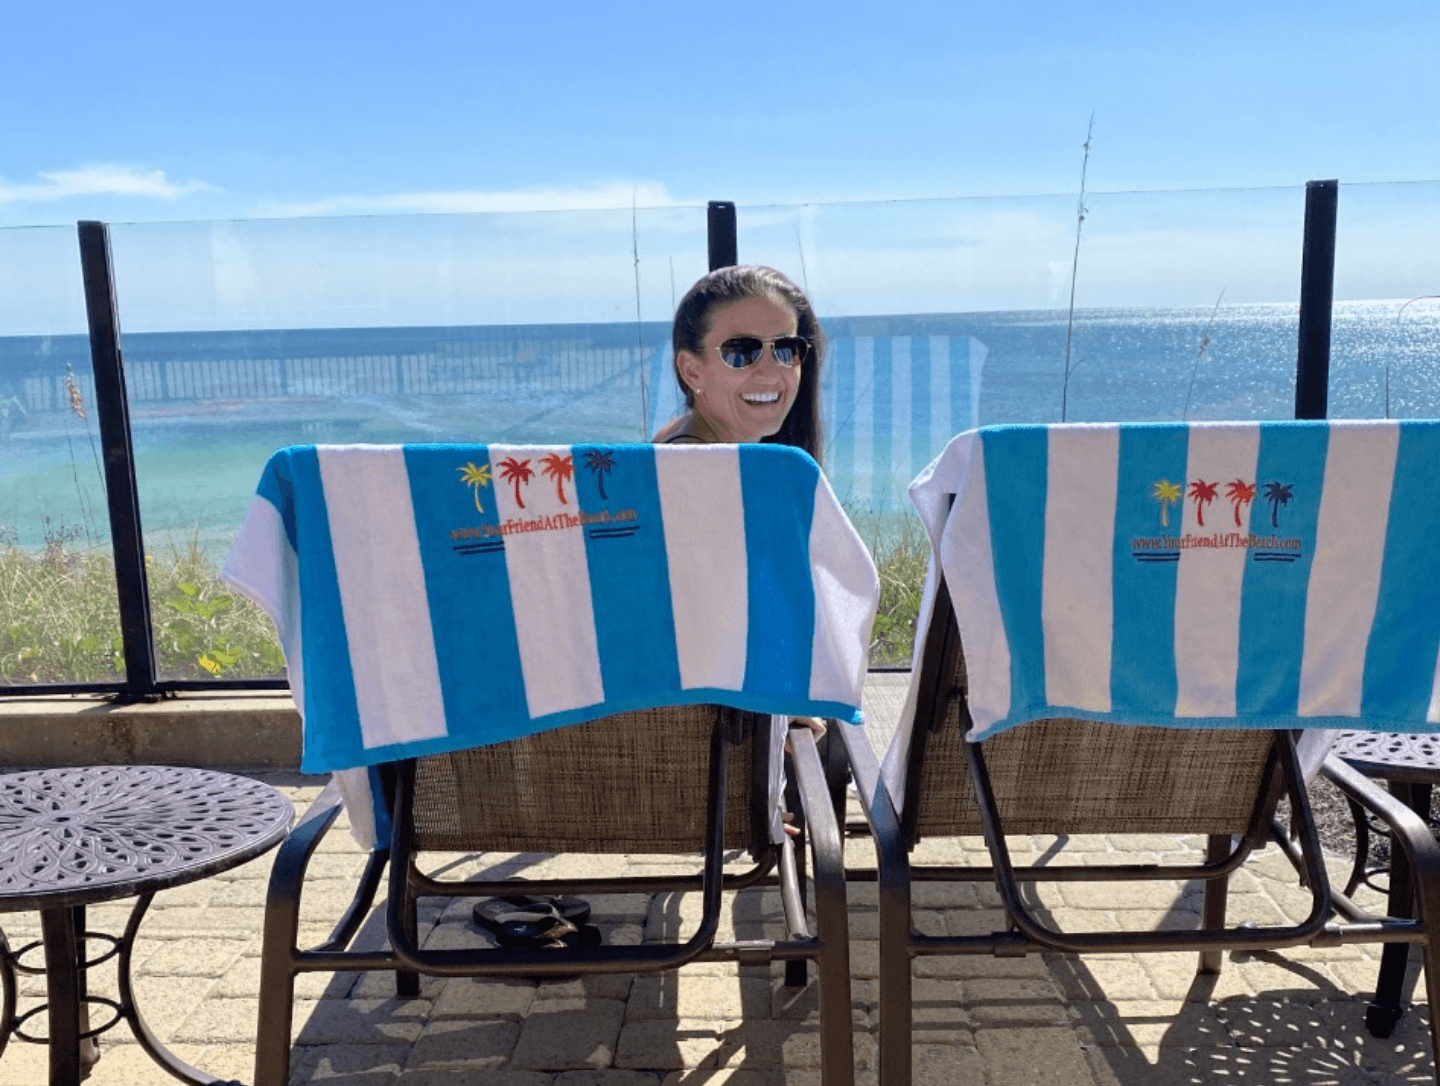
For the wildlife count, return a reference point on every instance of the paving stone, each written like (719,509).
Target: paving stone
(677,995)
(471,1076)
(976,921)
(589,986)
(472,997)
(193,957)
(1150,896)
(360,1065)
(1150,1025)
(1108,978)
(936,1003)
(724,1076)
(803,1004)
(223,1020)
(380,984)
(611,1077)
(667,1045)
(864,958)
(560,1035)
(166,1002)
(1033,1056)
(1020,1002)
(947,1064)
(242,981)
(483,1045)
(781,1044)
(360,1021)
(1175,977)
(1273,973)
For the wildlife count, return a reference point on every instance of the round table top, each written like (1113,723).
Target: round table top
(73,836)
(1393,756)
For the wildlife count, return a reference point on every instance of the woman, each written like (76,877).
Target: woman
(748,349)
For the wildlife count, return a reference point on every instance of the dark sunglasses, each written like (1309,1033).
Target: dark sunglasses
(738,352)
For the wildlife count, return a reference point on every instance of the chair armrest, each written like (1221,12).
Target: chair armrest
(1409,829)
(876,802)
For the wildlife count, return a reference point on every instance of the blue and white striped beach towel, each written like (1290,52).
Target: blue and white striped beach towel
(435,597)
(1278,574)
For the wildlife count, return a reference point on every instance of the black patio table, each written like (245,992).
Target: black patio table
(73,837)
(1409,764)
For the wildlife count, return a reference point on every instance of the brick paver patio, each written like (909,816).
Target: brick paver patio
(1134,1020)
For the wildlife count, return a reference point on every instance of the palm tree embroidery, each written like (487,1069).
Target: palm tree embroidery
(475,478)
(600,464)
(516,472)
(1278,494)
(1203,493)
(559,468)
(1240,493)
(1167,494)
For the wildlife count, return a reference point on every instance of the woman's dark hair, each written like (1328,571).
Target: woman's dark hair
(733,284)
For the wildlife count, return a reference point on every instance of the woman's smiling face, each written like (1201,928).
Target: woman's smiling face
(743,405)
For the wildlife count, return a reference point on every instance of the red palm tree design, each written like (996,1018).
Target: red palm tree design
(516,472)
(559,468)
(1240,493)
(1203,493)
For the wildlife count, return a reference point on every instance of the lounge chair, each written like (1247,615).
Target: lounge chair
(676,752)
(996,748)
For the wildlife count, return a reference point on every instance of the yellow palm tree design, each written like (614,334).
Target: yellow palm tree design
(1167,494)
(475,478)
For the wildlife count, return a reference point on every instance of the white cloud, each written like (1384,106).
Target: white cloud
(605,196)
(102,179)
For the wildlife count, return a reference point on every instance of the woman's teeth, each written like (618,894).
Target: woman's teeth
(760,397)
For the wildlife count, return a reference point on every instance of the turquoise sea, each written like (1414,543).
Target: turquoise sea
(208,407)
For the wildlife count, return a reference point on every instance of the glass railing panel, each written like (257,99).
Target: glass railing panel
(59,619)
(947,314)
(242,337)
(1385,332)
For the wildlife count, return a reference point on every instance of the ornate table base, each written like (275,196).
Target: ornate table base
(71,837)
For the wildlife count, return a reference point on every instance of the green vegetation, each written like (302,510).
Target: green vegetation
(60,622)
(902,552)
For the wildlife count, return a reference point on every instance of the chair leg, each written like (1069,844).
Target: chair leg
(1386,1009)
(796,969)
(407,981)
(277,991)
(1217,892)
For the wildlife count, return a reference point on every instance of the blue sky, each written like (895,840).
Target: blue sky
(180,111)
(910,157)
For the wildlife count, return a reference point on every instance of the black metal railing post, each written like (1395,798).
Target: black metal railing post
(1317,299)
(127,543)
(723,239)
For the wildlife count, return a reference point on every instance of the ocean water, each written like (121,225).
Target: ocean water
(207,408)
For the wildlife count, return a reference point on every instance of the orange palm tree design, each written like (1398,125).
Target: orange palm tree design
(600,465)
(1202,493)
(475,477)
(1167,494)
(1240,493)
(516,472)
(559,468)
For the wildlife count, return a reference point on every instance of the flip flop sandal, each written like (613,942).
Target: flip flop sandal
(550,930)
(584,935)
(494,912)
